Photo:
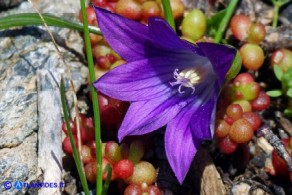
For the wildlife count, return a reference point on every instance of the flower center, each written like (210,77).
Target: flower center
(187,78)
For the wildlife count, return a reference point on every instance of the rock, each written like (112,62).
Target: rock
(256,10)
(66,7)
(277,38)
(18,163)
(286,14)
(5,4)
(244,188)
(23,53)
(49,140)
(207,6)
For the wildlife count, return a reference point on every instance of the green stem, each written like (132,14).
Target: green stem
(276,15)
(277,5)
(225,21)
(168,13)
(94,101)
(74,148)
(29,19)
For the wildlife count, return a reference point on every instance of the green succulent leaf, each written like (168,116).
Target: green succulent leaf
(289,92)
(278,72)
(274,93)
(288,113)
(235,67)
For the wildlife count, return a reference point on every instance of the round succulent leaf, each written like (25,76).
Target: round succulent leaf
(288,112)
(274,93)
(289,92)
(278,72)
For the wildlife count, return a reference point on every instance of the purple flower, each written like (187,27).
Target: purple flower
(168,82)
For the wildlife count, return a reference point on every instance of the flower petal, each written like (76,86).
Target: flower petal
(202,122)
(203,118)
(139,80)
(180,145)
(163,35)
(221,57)
(193,124)
(135,41)
(146,116)
(127,37)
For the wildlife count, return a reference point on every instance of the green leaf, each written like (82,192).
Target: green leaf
(29,19)
(235,67)
(214,21)
(274,93)
(278,72)
(289,92)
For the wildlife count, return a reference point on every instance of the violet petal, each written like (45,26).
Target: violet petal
(127,37)
(134,41)
(140,80)
(203,118)
(163,36)
(180,145)
(221,57)
(202,121)
(146,116)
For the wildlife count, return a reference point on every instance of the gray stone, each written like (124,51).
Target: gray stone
(49,140)
(55,7)
(18,163)
(24,54)
(5,4)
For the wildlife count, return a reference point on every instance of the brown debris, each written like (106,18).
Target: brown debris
(284,122)
(277,38)
(256,10)
(206,177)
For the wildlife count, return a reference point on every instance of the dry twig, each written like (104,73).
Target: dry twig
(278,145)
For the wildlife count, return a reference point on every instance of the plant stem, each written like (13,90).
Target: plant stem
(276,15)
(225,21)
(94,100)
(277,5)
(168,13)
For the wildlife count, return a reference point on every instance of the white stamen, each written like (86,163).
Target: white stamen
(179,90)
(188,78)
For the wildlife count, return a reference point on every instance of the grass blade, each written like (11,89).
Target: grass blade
(107,170)
(94,100)
(168,13)
(29,19)
(225,21)
(74,148)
